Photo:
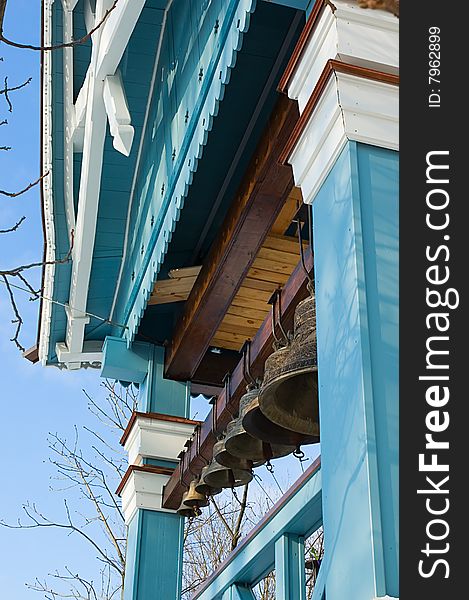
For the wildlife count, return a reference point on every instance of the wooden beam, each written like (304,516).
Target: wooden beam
(261,347)
(260,198)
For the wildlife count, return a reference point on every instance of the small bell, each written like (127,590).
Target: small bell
(188,511)
(289,392)
(195,498)
(201,487)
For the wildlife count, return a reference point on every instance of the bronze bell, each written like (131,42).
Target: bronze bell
(188,511)
(260,427)
(226,458)
(219,476)
(195,498)
(202,487)
(240,443)
(289,392)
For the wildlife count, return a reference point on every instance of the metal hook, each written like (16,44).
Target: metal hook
(197,433)
(274,300)
(227,382)
(269,466)
(279,304)
(188,445)
(300,455)
(302,257)
(182,456)
(246,351)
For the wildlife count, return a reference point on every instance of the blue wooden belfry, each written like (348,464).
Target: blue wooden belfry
(181,139)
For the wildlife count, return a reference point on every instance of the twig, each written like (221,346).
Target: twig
(18,320)
(14,228)
(70,44)
(6,90)
(26,189)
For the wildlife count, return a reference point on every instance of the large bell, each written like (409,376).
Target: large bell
(240,443)
(188,511)
(202,486)
(219,476)
(289,391)
(226,458)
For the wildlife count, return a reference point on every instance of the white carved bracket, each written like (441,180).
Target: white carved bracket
(118,113)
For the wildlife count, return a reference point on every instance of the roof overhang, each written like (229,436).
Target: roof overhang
(101,100)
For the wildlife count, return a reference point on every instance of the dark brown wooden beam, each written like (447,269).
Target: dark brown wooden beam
(214,366)
(200,452)
(257,203)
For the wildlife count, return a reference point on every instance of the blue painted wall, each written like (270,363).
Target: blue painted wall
(356,262)
(154,556)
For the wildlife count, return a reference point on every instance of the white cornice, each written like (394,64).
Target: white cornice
(350,108)
(143,490)
(156,438)
(346,32)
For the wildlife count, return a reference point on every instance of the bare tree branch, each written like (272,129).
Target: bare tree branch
(70,44)
(6,90)
(26,189)
(18,320)
(15,226)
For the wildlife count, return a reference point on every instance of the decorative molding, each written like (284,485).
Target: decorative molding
(153,435)
(348,103)
(91,355)
(142,488)
(218,73)
(340,30)
(46,187)
(109,44)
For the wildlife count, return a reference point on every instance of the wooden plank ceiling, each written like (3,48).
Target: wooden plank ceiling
(273,265)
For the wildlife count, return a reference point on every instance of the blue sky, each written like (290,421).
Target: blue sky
(36,401)
(33,400)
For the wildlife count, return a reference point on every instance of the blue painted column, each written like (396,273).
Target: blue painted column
(290,583)
(238,592)
(355,216)
(154,535)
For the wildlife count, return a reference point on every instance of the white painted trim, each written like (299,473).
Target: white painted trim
(350,108)
(356,36)
(109,44)
(48,205)
(78,121)
(143,491)
(116,34)
(90,356)
(68,118)
(155,438)
(118,115)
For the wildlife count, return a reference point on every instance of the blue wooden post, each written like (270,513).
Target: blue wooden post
(356,269)
(290,567)
(155,537)
(238,592)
